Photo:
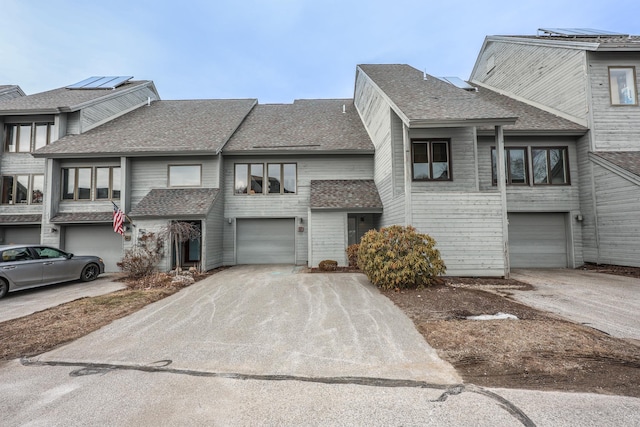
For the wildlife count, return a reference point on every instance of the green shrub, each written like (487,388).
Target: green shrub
(328,265)
(352,254)
(399,257)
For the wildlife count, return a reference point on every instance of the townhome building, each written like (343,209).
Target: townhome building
(60,200)
(589,77)
(519,167)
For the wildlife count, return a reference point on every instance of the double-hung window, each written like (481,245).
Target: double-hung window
(91,183)
(431,160)
(26,137)
(22,189)
(270,178)
(516,171)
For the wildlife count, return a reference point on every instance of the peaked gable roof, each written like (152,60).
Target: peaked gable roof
(65,100)
(422,100)
(164,127)
(313,125)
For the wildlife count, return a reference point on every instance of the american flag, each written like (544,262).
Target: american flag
(118,220)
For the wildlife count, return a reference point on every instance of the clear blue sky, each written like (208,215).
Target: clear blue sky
(273,50)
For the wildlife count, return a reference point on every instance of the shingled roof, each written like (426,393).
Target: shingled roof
(359,194)
(627,160)
(82,217)
(21,219)
(164,127)
(316,125)
(63,99)
(530,119)
(175,202)
(431,101)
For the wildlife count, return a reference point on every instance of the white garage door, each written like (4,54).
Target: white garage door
(537,240)
(22,234)
(265,241)
(99,240)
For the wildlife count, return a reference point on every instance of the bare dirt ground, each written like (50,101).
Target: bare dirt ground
(537,351)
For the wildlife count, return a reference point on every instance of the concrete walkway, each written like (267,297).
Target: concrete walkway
(602,301)
(22,303)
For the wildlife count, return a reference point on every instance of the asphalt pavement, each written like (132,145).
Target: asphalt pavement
(22,303)
(605,302)
(257,345)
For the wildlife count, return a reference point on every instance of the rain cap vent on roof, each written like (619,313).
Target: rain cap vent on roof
(101,82)
(577,32)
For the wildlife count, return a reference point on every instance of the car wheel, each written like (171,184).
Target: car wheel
(89,272)
(4,287)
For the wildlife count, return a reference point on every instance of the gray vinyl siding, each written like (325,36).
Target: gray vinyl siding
(462,160)
(528,198)
(212,236)
(111,108)
(616,127)
(153,172)
(385,129)
(286,205)
(549,76)
(587,207)
(73,123)
(467,228)
(618,207)
(157,226)
(329,236)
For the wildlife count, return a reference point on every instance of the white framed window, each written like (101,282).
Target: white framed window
(185,175)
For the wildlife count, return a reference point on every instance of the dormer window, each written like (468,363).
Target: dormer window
(26,137)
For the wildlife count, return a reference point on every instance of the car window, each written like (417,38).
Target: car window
(17,254)
(49,253)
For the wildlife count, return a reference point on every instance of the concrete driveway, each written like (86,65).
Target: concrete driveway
(602,301)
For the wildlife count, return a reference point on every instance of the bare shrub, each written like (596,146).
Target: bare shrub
(352,254)
(328,265)
(143,259)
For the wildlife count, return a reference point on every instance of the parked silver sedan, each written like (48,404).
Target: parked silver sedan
(28,266)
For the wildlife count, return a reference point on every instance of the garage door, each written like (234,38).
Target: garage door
(537,240)
(99,240)
(265,241)
(22,234)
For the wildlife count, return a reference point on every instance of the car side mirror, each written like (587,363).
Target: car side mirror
(69,256)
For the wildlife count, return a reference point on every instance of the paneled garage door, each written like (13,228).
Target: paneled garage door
(22,234)
(99,240)
(537,240)
(265,241)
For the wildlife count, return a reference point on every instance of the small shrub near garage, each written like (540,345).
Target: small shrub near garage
(328,265)
(399,257)
(352,254)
